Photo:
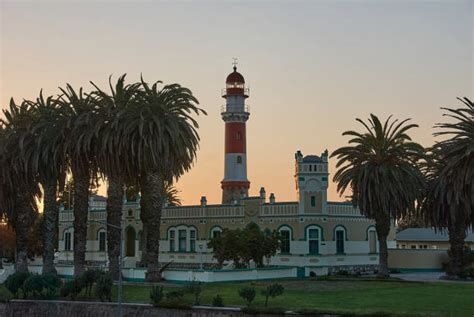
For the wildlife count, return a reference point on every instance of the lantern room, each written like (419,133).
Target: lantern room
(235,85)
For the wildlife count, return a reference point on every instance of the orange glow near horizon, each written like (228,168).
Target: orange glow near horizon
(312,68)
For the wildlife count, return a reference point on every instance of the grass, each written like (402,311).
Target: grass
(350,296)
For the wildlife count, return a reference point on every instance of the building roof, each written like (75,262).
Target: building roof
(235,77)
(98,198)
(312,159)
(427,234)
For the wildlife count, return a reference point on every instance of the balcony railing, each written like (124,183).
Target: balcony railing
(230,110)
(224,91)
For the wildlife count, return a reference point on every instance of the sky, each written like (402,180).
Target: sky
(313,67)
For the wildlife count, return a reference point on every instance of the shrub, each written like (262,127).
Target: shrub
(218,301)
(175,295)
(273,291)
(248,294)
(312,274)
(14,283)
(72,288)
(156,295)
(195,289)
(90,277)
(34,285)
(103,287)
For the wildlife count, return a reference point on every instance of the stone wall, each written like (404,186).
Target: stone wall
(31,308)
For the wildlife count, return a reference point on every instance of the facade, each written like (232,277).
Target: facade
(317,235)
(427,238)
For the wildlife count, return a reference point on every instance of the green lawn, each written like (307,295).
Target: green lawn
(359,296)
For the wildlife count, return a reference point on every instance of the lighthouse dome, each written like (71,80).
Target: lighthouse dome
(235,77)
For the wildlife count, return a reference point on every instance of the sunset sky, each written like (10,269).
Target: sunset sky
(312,68)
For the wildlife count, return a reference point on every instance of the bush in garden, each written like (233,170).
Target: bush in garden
(272,290)
(156,295)
(218,301)
(175,295)
(34,285)
(103,287)
(14,283)
(90,277)
(72,288)
(248,294)
(195,289)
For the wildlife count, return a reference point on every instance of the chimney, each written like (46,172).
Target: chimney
(203,201)
(272,198)
(262,193)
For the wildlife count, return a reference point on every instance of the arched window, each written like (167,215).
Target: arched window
(285,238)
(182,240)
(372,239)
(313,234)
(130,242)
(239,159)
(102,237)
(340,238)
(68,240)
(215,232)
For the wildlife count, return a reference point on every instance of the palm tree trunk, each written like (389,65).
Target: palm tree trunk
(23,213)
(152,186)
(81,178)
(51,212)
(457,236)
(114,217)
(382,226)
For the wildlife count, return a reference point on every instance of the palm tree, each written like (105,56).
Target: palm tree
(380,167)
(49,161)
(450,196)
(163,140)
(19,181)
(109,151)
(80,109)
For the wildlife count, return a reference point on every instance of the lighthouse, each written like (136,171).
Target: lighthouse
(235,114)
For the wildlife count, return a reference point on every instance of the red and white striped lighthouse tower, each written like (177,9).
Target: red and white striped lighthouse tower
(235,113)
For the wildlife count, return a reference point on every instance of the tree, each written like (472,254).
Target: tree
(243,246)
(80,110)
(449,203)
(19,180)
(162,140)
(109,151)
(272,290)
(248,294)
(381,168)
(49,161)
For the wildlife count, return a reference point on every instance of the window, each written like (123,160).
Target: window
(130,213)
(140,240)
(285,241)
(413,246)
(192,240)
(313,201)
(310,168)
(238,136)
(239,159)
(172,237)
(216,232)
(313,238)
(130,242)
(339,241)
(182,240)
(372,241)
(67,241)
(102,238)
